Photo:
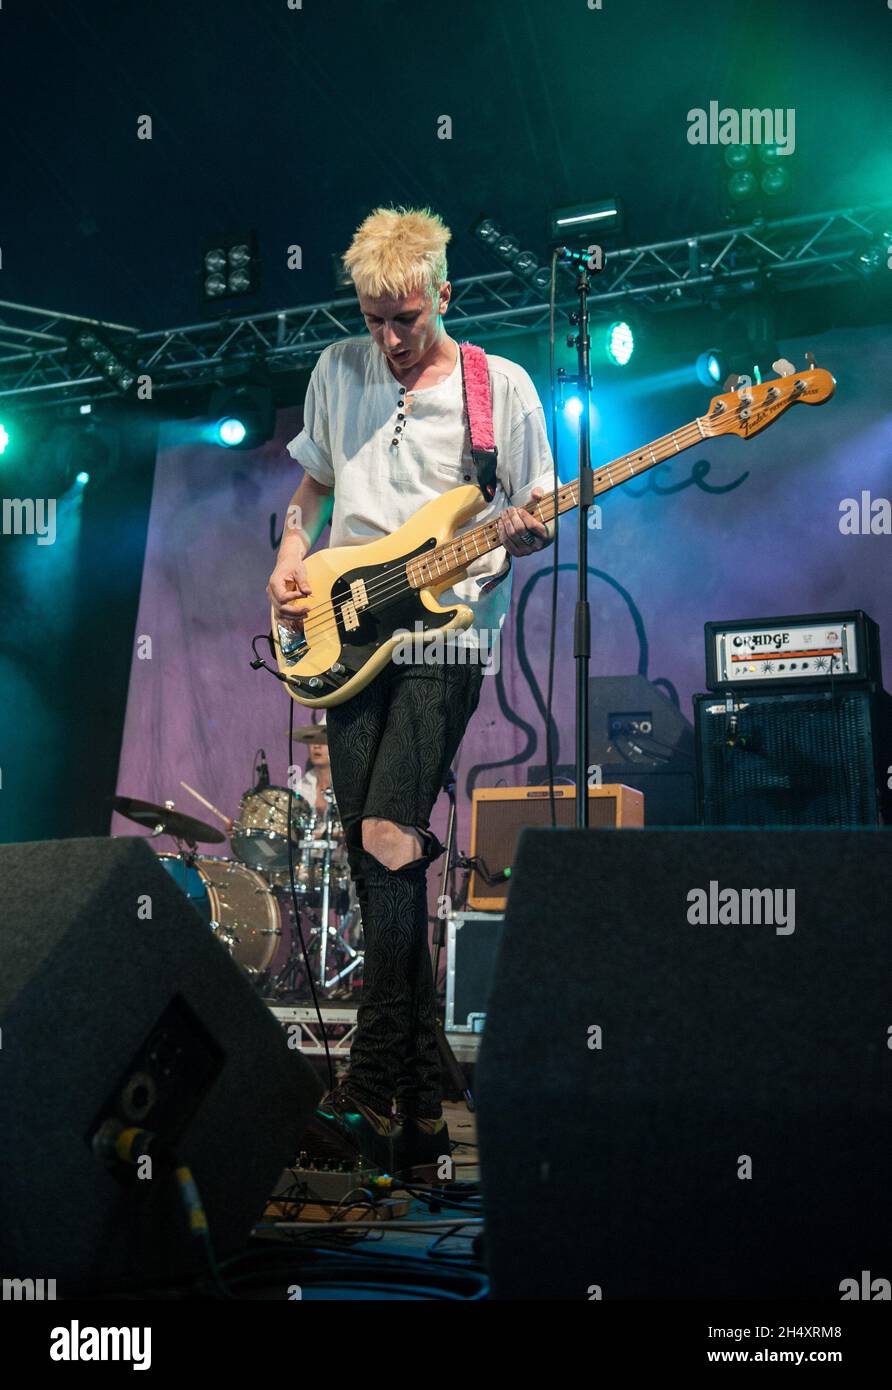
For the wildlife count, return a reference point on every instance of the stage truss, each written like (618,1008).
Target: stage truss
(38,371)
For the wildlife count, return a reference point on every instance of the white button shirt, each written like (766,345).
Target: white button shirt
(350,418)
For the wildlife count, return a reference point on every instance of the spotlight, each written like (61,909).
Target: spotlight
(742,185)
(231,432)
(774,181)
(243,414)
(711,367)
(85,409)
(487,232)
(82,479)
(573,406)
(738,156)
(619,344)
(231,267)
(4,439)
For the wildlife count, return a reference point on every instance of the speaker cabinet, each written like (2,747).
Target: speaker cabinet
(807,757)
(119,1007)
(708,1112)
(499,814)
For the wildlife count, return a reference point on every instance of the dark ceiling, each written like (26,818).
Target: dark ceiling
(296,122)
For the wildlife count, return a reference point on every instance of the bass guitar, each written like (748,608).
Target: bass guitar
(367,597)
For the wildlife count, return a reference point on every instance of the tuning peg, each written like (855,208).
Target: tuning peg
(731,382)
(783,367)
(810,359)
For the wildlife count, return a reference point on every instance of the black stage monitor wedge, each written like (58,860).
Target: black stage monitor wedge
(685,1083)
(120,1009)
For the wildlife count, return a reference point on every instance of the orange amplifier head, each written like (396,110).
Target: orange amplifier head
(498,814)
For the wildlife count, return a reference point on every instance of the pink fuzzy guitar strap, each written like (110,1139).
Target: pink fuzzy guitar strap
(478,405)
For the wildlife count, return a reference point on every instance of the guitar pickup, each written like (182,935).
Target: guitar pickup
(348,616)
(358,594)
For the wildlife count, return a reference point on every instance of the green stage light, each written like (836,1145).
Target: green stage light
(775,180)
(4,438)
(619,344)
(738,156)
(742,185)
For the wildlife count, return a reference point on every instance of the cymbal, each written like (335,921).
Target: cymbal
(311,733)
(174,822)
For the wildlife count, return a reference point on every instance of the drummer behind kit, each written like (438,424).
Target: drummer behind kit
(248,900)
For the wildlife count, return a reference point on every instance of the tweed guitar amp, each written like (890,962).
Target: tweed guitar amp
(498,814)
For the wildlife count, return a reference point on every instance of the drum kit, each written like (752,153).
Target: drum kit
(287,882)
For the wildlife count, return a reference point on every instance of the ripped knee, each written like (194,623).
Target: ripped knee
(394,846)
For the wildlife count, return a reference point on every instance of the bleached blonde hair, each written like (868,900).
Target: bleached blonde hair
(397,251)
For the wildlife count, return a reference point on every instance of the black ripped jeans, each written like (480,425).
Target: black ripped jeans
(390,748)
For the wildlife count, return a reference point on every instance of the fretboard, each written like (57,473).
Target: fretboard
(453,557)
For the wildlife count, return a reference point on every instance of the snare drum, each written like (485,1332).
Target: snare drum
(260,833)
(235,902)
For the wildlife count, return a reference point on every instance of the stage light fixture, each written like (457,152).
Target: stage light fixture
(585,220)
(97,350)
(524,264)
(877,254)
(82,478)
(742,185)
(619,344)
(774,181)
(231,431)
(738,156)
(4,438)
(231,268)
(758,172)
(711,367)
(85,409)
(573,407)
(243,413)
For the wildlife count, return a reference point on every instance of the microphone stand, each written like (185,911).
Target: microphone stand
(582,624)
(448,1059)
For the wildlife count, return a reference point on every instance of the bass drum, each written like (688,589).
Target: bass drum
(259,836)
(235,902)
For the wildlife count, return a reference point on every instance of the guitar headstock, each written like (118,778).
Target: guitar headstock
(749,408)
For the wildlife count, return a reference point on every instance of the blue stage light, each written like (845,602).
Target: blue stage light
(230,432)
(82,479)
(711,367)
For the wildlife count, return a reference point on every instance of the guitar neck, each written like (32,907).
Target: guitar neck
(454,556)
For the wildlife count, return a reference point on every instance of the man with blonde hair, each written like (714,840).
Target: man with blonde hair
(385,430)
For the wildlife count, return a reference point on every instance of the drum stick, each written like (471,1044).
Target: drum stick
(204,802)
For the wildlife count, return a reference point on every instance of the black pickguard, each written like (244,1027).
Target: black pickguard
(377,623)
